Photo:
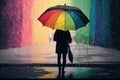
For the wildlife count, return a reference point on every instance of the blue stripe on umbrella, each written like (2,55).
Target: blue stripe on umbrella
(76,18)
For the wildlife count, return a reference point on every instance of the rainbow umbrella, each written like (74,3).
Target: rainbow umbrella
(63,17)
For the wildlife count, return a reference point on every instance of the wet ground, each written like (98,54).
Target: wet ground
(39,62)
(52,73)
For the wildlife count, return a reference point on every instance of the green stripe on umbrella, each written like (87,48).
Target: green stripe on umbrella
(63,17)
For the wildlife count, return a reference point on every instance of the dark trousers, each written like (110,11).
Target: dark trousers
(59,61)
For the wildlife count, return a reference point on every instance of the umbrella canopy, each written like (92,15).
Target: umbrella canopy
(63,17)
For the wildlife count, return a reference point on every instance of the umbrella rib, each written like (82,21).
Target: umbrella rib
(80,18)
(57,18)
(48,18)
(71,19)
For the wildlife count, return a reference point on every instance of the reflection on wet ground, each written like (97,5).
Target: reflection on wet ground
(102,62)
(28,72)
(45,53)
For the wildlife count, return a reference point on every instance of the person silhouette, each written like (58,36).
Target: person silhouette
(62,38)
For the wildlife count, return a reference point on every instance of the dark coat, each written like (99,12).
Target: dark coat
(62,38)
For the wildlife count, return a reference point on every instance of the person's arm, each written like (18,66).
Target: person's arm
(69,37)
(55,36)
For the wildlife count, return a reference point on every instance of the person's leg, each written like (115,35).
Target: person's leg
(59,61)
(64,62)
